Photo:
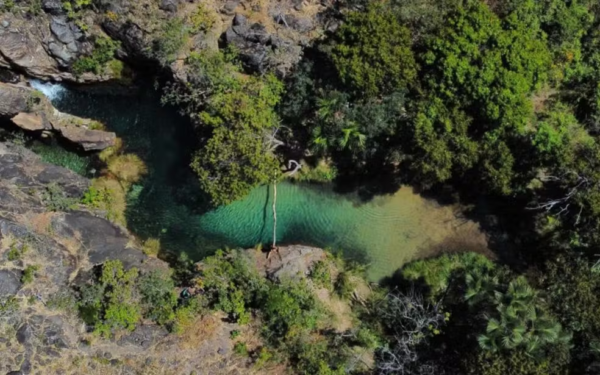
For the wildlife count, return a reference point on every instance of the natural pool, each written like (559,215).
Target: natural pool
(384,232)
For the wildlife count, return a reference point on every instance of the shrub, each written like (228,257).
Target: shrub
(104,51)
(108,195)
(56,199)
(173,36)
(29,274)
(232,284)
(344,286)
(63,300)
(158,297)
(240,349)
(289,309)
(321,275)
(201,20)
(128,168)
(15,253)
(186,314)
(151,246)
(111,302)
(8,305)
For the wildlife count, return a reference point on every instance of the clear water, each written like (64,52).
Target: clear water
(384,232)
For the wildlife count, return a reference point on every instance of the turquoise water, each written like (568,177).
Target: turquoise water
(384,232)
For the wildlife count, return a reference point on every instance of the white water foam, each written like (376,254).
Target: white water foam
(51,90)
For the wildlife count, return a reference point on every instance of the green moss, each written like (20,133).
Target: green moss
(57,155)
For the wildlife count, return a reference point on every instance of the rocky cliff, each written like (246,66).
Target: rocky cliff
(45,43)
(42,228)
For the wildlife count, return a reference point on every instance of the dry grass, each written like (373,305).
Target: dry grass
(107,153)
(203,328)
(151,246)
(116,201)
(42,223)
(128,168)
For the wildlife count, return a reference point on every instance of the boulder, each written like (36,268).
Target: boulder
(29,121)
(89,140)
(53,7)
(300,24)
(230,6)
(169,5)
(61,29)
(10,283)
(13,99)
(293,261)
(32,112)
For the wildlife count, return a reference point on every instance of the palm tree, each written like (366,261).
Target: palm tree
(351,137)
(520,321)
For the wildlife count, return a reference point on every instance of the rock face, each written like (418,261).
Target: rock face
(66,246)
(294,261)
(31,111)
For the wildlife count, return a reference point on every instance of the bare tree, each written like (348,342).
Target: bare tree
(410,320)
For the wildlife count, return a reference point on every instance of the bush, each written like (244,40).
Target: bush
(372,53)
(15,252)
(64,301)
(127,168)
(56,199)
(29,274)
(8,305)
(151,246)
(103,53)
(186,314)
(173,36)
(321,275)
(201,20)
(112,301)
(158,297)
(241,349)
(289,310)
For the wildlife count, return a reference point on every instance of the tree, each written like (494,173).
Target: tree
(478,72)
(112,302)
(521,322)
(371,52)
(409,321)
(237,156)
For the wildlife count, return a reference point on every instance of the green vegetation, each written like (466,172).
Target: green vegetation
(103,54)
(16,252)
(173,36)
(294,320)
(56,199)
(29,274)
(58,156)
(240,115)
(372,52)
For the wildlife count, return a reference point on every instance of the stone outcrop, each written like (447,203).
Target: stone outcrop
(31,111)
(294,261)
(44,47)
(40,339)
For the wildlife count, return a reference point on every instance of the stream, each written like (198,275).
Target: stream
(168,204)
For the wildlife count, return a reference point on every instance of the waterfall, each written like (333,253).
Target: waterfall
(51,90)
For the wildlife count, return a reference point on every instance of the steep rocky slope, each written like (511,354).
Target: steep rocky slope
(64,246)
(44,43)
